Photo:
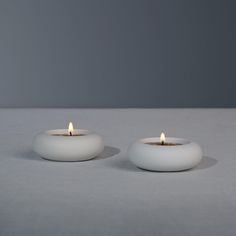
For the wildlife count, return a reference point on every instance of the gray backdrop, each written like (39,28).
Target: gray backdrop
(117,53)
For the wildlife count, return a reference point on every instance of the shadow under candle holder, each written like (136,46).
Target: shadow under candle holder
(31,155)
(28,155)
(108,151)
(206,162)
(125,164)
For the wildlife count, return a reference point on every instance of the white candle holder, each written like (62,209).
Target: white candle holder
(58,145)
(178,154)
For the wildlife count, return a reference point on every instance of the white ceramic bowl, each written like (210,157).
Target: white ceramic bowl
(165,158)
(52,145)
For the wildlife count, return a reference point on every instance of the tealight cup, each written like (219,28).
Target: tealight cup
(58,145)
(175,154)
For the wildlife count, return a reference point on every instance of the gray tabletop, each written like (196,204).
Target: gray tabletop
(108,195)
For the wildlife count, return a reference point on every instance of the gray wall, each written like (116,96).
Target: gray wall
(117,53)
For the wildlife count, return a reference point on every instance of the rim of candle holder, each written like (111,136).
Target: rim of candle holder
(64,133)
(156,142)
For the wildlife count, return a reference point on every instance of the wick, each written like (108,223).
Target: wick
(70,133)
(162,142)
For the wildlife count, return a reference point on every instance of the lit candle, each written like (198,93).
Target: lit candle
(70,129)
(68,144)
(165,153)
(162,138)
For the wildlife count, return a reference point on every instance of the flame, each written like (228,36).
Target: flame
(162,138)
(70,129)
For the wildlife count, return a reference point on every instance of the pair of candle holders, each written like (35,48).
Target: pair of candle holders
(154,154)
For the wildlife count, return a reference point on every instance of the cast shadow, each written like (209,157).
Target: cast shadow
(125,164)
(206,162)
(108,151)
(31,155)
(28,155)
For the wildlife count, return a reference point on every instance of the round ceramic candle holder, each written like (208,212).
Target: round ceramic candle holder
(176,155)
(57,145)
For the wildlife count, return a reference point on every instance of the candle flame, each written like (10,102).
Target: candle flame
(70,129)
(162,138)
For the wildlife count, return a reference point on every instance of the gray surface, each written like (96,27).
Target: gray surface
(109,196)
(117,53)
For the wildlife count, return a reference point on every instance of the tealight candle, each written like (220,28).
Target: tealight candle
(68,144)
(165,154)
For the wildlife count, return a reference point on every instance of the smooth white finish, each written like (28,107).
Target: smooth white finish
(165,158)
(68,148)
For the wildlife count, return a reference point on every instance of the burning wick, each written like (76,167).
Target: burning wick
(70,129)
(162,138)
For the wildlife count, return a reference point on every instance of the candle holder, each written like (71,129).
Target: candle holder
(68,145)
(174,154)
